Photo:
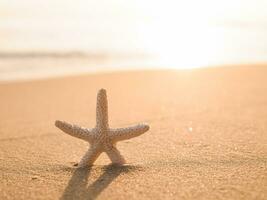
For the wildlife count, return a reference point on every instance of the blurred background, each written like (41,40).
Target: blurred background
(51,38)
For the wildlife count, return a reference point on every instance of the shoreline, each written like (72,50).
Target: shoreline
(76,68)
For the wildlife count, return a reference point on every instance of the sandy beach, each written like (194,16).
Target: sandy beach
(207,138)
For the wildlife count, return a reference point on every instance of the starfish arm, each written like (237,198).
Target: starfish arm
(128,133)
(115,156)
(102,110)
(89,157)
(75,131)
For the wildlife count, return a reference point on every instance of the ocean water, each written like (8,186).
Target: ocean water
(41,39)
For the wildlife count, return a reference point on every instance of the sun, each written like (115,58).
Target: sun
(178,38)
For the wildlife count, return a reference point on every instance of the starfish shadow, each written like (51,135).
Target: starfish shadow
(77,186)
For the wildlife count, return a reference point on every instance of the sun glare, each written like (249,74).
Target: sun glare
(182,39)
(185,47)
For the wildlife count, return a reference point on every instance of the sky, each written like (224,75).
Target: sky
(177,32)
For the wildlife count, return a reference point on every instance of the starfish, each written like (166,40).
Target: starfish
(102,138)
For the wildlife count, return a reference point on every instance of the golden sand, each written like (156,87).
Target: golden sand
(208,136)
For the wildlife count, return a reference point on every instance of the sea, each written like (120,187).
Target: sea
(42,39)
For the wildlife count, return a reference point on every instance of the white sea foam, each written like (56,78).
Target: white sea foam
(27,68)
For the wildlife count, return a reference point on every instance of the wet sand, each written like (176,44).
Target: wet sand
(208,135)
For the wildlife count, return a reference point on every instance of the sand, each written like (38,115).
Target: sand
(208,136)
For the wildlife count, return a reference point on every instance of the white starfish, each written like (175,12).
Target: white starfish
(102,138)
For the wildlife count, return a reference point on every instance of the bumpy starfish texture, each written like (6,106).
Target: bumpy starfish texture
(102,138)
